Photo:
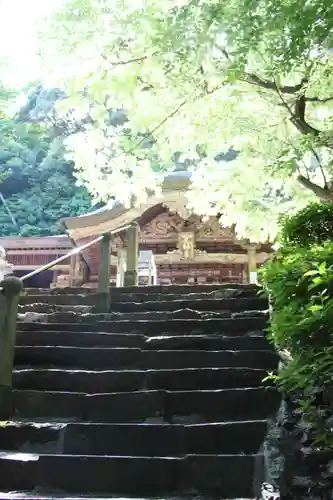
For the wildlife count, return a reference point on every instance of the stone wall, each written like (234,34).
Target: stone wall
(294,466)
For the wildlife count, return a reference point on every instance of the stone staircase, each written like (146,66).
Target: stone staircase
(163,396)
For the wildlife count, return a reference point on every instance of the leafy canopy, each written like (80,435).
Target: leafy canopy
(198,77)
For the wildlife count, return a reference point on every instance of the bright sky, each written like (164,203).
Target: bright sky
(18,40)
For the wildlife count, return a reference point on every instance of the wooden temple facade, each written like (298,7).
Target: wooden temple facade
(186,248)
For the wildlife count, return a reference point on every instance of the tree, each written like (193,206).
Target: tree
(201,77)
(38,185)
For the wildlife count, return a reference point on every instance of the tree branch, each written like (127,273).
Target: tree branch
(323,193)
(317,99)
(253,79)
(299,120)
(124,63)
(269,85)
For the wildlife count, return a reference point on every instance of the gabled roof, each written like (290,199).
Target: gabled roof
(107,218)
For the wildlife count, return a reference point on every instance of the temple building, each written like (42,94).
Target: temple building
(186,248)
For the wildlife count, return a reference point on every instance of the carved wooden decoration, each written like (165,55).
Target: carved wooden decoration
(163,227)
(186,245)
(212,230)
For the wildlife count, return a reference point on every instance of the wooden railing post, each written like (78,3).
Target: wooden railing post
(9,299)
(103,288)
(132,256)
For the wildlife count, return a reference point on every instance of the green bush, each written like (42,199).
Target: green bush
(299,281)
(300,284)
(312,225)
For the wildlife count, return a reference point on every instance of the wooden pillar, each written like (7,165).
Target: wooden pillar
(132,256)
(121,267)
(73,269)
(103,289)
(9,299)
(252,262)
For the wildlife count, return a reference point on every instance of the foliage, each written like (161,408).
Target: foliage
(299,281)
(312,225)
(38,185)
(199,77)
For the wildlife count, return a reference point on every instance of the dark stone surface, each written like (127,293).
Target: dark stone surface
(212,406)
(88,323)
(293,464)
(6,402)
(206,304)
(217,476)
(32,438)
(59,299)
(80,314)
(206,342)
(79,339)
(256,341)
(163,440)
(136,380)
(132,358)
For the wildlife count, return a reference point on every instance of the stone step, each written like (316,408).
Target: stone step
(202,304)
(45,308)
(254,341)
(92,381)
(80,339)
(132,358)
(139,295)
(209,342)
(143,294)
(38,303)
(147,290)
(79,314)
(86,323)
(221,476)
(63,496)
(31,437)
(148,440)
(47,297)
(169,406)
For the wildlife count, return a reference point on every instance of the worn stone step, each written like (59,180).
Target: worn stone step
(93,381)
(170,406)
(59,291)
(183,314)
(164,440)
(149,440)
(79,339)
(39,304)
(94,496)
(213,342)
(132,358)
(79,314)
(202,304)
(223,476)
(44,308)
(175,326)
(141,297)
(87,299)
(88,296)
(161,289)
(32,437)
(255,340)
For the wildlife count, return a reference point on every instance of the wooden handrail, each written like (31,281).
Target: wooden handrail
(75,251)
